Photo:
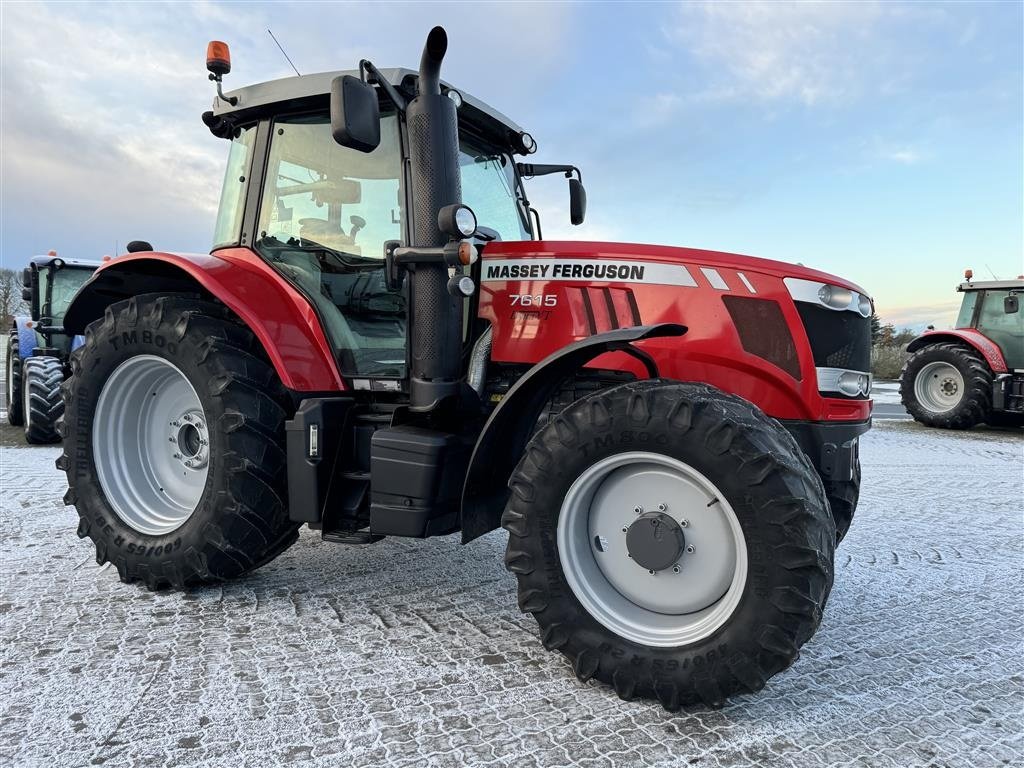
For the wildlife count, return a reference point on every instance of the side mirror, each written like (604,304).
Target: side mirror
(1011,304)
(577,201)
(26,277)
(355,114)
(26,294)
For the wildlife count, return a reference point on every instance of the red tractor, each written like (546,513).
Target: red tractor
(381,344)
(973,374)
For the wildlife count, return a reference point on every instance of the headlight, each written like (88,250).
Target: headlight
(457,220)
(465,221)
(864,306)
(455,96)
(831,296)
(849,383)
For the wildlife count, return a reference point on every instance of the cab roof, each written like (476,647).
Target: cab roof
(982,285)
(289,89)
(44,261)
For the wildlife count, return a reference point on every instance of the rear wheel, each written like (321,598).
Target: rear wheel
(43,407)
(670,540)
(13,380)
(947,385)
(175,444)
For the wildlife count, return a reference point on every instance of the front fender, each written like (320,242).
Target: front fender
(280,317)
(507,431)
(973,338)
(27,338)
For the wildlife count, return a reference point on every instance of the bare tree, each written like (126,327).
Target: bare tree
(11,302)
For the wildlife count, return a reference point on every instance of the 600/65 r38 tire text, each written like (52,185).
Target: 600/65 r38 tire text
(174,444)
(670,540)
(43,406)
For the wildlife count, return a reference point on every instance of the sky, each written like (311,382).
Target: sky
(878,141)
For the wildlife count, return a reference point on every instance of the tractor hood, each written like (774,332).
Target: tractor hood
(693,260)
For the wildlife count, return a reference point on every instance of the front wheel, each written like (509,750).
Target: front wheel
(947,385)
(671,541)
(174,444)
(43,407)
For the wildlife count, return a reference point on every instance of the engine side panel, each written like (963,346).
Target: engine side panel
(540,297)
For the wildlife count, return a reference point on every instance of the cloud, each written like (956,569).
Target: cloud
(804,53)
(941,314)
(100,116)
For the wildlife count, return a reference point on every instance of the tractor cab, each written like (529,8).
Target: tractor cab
(992,307)
(325,214)
(49,283)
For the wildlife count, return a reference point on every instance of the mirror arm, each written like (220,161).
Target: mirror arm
(371,75)
(529,170)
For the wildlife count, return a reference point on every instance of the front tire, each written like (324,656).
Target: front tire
(15,416)
(947,385)
(43,407)
(174,444)
(670,452)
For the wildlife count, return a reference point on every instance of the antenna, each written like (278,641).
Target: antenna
(285,54)
(991,272)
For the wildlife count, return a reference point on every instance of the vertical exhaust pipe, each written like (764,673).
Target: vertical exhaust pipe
(436,316)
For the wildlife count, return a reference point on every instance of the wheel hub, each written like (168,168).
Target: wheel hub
(655,541)
(188,439)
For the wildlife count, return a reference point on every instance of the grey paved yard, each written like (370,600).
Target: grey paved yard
(413,653)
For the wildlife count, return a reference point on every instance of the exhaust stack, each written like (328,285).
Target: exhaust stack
(436,332)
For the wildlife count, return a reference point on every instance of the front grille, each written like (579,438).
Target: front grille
(839,339)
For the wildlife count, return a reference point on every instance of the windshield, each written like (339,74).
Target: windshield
(66,282)
(488,187)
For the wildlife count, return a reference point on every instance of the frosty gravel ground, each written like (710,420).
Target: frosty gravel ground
(413,653)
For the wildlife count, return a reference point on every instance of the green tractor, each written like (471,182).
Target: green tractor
(973,374)
(38,347)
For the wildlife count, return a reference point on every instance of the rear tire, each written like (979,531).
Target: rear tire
(768,488)
(13,380)
(41,379)
(947,385)
(225,515)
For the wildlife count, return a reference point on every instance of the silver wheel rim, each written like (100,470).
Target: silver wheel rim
(679,605)
(939,387)
(150,443)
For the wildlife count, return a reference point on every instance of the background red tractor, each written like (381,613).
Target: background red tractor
(669,436)
(973,374)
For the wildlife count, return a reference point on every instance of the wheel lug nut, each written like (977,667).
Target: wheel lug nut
(675,569)
(690,549)
(624,529)
(170,439)
(177,455)
(684,523)
(663,507)
(638,510)
(651,572)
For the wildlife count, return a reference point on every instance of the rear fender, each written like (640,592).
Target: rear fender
(27,338)
(280,317)
(969,336)
(507,431)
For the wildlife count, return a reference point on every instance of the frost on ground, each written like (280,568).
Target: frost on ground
(412,652)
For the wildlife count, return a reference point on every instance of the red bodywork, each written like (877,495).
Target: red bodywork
(711,352)
(279,315)
(970,336)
